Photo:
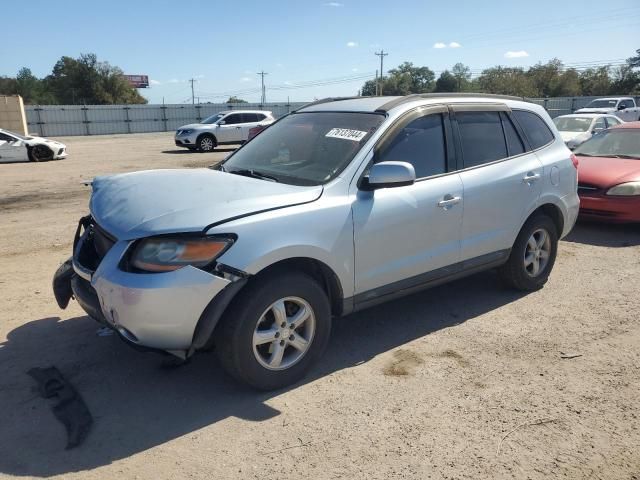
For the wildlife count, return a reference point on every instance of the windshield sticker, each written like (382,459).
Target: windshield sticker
(346,134)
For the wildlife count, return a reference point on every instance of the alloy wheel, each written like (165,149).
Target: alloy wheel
(537,252)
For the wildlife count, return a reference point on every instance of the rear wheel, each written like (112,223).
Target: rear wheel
(532,256)
(206,143)
(274,331)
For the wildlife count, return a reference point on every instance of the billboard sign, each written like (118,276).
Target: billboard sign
(138,81)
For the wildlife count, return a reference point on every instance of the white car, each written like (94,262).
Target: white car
(624,108)
(222,128)
(576,129)
(18,148)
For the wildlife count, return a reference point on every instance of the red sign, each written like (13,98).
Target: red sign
(138,81)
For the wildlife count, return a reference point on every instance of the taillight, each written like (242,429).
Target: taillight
(575,161)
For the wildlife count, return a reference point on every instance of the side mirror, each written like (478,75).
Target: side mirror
(222,122)
(388,175)
(622,107)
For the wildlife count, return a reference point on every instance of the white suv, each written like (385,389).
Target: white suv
(338,206)
(221,128)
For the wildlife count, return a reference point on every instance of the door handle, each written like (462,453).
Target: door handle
(448,201)
(531,177)
(238,128)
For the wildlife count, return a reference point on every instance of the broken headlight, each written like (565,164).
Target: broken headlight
(165,254)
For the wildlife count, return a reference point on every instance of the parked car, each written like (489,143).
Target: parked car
(221,129)
(577,128)
(624,108)
(256,130)
(609,175)
(339,206)
(19,148)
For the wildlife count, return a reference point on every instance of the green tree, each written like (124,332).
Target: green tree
(447,82)
(595,81)
(506,81)
(463,76)
(634,62)
(625,80)
(235,99)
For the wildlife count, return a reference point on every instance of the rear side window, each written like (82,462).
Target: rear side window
(481,137)
(249,118)
(627,103)
(613,121)
(260,117)
(534,128)
(514,142)
(422,144)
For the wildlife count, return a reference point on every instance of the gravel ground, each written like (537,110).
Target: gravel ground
(466,380)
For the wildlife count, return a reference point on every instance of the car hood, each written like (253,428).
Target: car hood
(605,172)
(566,136)
(198,126)
(595,110)
(43,141)
(142,204)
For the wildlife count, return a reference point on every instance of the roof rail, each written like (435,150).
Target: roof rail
(416,96)
(328,100)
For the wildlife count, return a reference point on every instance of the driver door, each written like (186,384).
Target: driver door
(408,235)
(231,130)
(12,149)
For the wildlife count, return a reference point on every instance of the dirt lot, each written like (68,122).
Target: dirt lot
(462,381)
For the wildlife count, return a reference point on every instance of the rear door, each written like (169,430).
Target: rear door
(404,236)
(249,120)
(501,180)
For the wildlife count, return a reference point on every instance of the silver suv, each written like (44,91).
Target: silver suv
(337,207)
(223,128)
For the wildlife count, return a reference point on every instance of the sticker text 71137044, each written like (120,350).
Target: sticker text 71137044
(346,134)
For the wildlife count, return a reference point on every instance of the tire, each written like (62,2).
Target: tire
(528,267)
(206,143)
(40,153)
(254,311)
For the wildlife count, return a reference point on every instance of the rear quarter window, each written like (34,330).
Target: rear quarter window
(537,131)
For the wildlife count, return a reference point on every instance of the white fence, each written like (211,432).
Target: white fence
(63,120)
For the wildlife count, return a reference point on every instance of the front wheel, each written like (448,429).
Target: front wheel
(532,256)
(206,143)
(40,153)
(274,331)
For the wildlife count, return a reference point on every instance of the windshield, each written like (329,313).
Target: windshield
(602,104)
(213,118)
(572,124)
(305,148)
(612,143)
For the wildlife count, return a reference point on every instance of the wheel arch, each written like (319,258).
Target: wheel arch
(207,134)
(552,211)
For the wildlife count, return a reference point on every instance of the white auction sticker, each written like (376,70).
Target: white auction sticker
(346,134)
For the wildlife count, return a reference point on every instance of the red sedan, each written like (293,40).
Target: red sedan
(609,174)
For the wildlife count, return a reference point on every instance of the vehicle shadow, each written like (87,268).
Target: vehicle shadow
(137,404)
(186,151)
(605,234)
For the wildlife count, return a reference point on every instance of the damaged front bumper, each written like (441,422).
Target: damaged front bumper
(169,311)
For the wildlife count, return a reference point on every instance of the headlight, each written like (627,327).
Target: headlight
(165,254)
(625,189)
(186,132)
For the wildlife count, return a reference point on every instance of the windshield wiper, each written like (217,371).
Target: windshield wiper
(249,172)
(624,156)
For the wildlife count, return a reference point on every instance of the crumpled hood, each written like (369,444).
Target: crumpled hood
(596,110)
(153,202)
(605,172)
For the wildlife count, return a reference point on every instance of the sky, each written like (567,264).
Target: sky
(309,48)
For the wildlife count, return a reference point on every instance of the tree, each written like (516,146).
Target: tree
(634,62)
(235,99)
(447,82)
(625,80)
(506,81)
(463,76)
(595,81)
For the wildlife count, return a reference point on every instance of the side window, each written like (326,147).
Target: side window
(481,137)
(599,125)
(6,138)
(421,143)
(514,142)
(613,121)
(232,119)
(249,118)
(534,128)
(260,117)
(627,103)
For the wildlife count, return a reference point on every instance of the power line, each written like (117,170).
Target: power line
(381,54)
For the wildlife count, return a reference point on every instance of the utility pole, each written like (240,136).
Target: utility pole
(376,83)
(381,54)
(193,96)
(264,92)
